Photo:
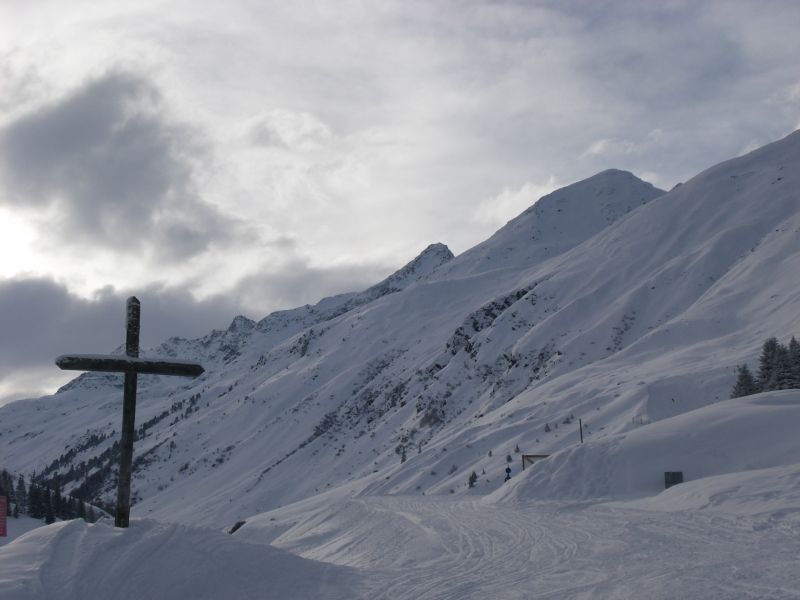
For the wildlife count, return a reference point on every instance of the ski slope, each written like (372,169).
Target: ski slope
(420,548)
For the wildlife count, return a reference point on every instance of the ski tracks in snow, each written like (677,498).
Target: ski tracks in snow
(554,550)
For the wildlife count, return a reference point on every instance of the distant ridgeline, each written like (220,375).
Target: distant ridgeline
(778,369)
(41,502)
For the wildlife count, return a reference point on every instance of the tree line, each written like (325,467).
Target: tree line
(778,369)
(42,502)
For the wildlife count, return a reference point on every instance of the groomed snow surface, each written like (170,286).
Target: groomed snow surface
(730,531)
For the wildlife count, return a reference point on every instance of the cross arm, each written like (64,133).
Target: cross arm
(127,364)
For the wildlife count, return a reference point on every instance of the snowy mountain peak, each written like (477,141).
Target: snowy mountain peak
(558,222)
(241,323)
(426,262)
(602,198)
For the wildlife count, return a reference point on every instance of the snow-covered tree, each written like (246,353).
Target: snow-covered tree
(745,383)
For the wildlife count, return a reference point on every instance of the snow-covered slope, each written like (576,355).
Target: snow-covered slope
(608,301)
(75,561)
(745,434)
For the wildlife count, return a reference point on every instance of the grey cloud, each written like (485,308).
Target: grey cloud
(297,283)
(117,169)
(40,319)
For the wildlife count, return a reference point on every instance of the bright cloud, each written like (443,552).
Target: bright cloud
(272,152)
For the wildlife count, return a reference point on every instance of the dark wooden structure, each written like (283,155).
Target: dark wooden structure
(131,365)
(531,459)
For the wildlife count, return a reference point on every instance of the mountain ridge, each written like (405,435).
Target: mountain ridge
(634,317)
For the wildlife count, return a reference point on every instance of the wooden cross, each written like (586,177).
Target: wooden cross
(131,365)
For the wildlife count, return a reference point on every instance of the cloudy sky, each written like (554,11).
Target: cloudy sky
(217,158)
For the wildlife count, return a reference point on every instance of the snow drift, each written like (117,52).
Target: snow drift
(76,561)
(755,432)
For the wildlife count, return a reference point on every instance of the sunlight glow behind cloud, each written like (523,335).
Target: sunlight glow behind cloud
(295,149)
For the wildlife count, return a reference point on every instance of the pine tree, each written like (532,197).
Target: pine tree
(81,511)
(403,454)
(794,360)
(35,504)
(516,448)
(782,374)
(47,502)
(22,495)
(473,477)
(59,506)
(547,427)
(745,384)
(508,458)
(766,364)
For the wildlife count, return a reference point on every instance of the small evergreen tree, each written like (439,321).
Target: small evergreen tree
(782,374)
(35,503)
(473,477)
(80,511)
(508,458)
(402,454)
(22,495)
(794,360)
(547,428)
(516,448)
(745,383)
(59,509)
(47,501)
(766,364)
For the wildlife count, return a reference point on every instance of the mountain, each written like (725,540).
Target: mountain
(608,301)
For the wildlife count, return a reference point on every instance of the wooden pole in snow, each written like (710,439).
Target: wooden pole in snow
(131,365)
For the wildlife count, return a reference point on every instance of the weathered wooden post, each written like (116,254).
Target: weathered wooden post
(3,513)
(132,366)
(133,324)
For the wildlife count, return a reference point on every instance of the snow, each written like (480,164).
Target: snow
(754,432)
(19,526)
(439,548)
(608,301)
(773,493)
(74,561)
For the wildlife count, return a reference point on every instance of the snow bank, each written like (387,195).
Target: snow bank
(19,526)
(355,532)
(755,432)
(774,492)
(75,560)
